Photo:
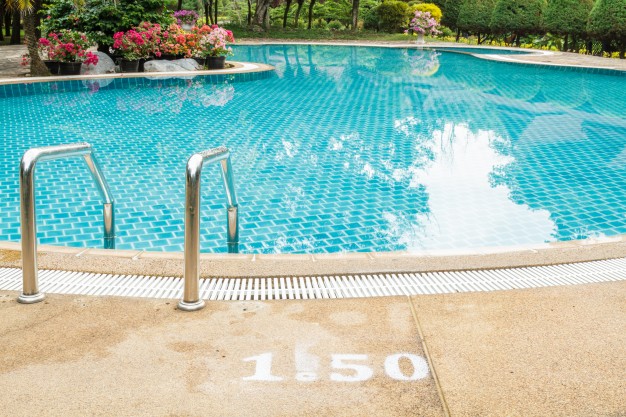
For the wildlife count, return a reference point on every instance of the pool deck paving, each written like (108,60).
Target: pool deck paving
(555,351)
(558,351)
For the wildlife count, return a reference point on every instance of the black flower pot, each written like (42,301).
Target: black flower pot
(215,62)
(169,57)
(53,67)
(69,68)
(200,60)
(142,61)
(129,65)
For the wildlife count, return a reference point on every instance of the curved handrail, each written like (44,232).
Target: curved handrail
(30,290)
(191,299)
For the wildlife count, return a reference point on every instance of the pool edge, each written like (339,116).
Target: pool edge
(134,262)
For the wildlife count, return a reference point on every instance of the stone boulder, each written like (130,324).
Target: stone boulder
(160,65)
(105,65)
(187,64)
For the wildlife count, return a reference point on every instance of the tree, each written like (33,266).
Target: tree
(450,9)
(607,21)
(520,17)
(296,19)
(27,9)
(475,16)
(392,16)
(355,14)
(567,17)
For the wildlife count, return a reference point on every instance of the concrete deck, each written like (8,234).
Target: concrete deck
(557,351)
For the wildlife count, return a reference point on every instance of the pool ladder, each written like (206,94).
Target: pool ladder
(191,300)
(30,290)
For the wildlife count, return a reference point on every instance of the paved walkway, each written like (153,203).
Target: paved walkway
(10,61)
(557,351)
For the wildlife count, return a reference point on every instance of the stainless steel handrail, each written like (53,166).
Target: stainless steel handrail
(30,290)
(191,299)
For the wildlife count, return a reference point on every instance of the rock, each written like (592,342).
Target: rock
(105,66)
(162,66)
(188,64)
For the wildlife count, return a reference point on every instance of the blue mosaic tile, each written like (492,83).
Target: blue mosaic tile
(343,149)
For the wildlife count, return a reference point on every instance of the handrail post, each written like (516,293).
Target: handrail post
(191,296)
(30,285)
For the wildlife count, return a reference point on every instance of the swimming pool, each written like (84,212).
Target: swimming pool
(343,149)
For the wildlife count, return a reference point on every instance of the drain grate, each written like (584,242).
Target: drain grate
(320,287)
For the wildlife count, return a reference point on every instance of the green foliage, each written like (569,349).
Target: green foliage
(335,25)
(475,15)
(340,10)
(100,19)
(63,15)
(568,16)
(518,16)
(608,20)
(450,9)
(392,16)
(370,19)
(426,7)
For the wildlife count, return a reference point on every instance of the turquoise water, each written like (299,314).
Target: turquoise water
(343,149)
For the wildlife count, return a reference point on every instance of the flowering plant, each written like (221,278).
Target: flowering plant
(132,44)
(152,37)
(423,23)
(176,41)
(186,17)
(214,43)
(67,46)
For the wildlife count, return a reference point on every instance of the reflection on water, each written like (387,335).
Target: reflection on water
(345,149)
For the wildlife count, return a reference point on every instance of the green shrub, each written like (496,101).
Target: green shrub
(426,7)
(392,16)
(568,16)
(475,15)
(335,25)
(450,9)
(608,20)
(370,19)
(518,16)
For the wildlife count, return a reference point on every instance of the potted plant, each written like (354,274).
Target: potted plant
(133,46)
(152,36)
(186,18)
(423,24)
(69,49)
(197,51)
(214,47)
(173,43)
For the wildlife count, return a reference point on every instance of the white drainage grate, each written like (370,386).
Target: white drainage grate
(317,287)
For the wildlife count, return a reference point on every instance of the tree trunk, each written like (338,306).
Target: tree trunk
(261,12)
(458,34)
(215,7)
(355,14)
(37,67)
(287,6)
(249,12)
(206,12)
(7,23)
(296,19)
(311,5)
(15,29)
(1,19)
(479,40)
(179,5)
(37,7)
(566,42)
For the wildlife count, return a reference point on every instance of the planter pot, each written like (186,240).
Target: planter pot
(215,62)
(142,61)
(69,68)
(129,66)
(187,26)
(200,60)
(420,39)
(168,57)
(53,67)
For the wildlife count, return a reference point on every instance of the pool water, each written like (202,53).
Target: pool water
(343,149)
